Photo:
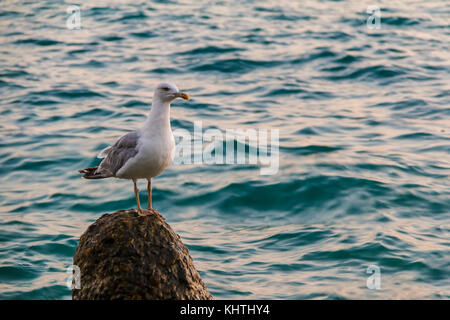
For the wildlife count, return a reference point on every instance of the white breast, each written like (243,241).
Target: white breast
(156,145)
(155,154)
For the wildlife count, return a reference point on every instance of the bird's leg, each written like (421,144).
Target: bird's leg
(136,192)
(150,210)
(149,190)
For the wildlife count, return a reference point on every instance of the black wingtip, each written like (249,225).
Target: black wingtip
(89,173)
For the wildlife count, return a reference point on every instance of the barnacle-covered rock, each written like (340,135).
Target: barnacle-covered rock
(126,256)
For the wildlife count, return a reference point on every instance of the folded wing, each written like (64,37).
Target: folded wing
(115,157)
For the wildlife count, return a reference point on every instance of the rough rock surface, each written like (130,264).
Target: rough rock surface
(126,256)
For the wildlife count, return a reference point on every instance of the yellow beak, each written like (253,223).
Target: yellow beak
(183,95)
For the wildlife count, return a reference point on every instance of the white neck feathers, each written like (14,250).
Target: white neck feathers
(159,116)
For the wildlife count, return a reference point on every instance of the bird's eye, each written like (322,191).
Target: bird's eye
(165,88)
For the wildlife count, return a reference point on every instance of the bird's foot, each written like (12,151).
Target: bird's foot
(147,212)
(143,212)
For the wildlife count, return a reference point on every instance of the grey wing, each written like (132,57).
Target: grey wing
(118,154)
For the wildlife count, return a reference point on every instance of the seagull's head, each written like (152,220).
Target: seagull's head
(167,92)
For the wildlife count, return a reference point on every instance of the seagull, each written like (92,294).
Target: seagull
(143,153)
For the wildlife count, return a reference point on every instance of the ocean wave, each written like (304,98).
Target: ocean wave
(363,157)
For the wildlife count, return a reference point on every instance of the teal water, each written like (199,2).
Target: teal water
(364,120)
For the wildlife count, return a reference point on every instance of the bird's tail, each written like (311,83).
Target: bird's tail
(91,173)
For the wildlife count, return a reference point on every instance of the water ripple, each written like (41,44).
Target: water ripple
(363,125)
